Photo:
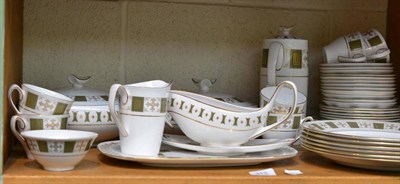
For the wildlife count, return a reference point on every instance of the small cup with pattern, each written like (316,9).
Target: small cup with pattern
(58,150)
(25,122)
(37,100)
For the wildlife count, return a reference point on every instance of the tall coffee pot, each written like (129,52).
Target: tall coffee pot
(285,58)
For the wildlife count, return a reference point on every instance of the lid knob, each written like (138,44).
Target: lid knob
(77,82)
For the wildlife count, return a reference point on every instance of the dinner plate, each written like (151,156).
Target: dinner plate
(375,155)
(373,115)
(173,157)
(355,64)
(358,77)
(358,85)
(339,117)
(319,136)
(379,105)
(359,92)
(363,110)
(332,143)
(257,145)
(361,100)
(356,129)
(359,162)
(356,68)
(367,71)
(357,88)
(354,95)
(351,150)
(358,81)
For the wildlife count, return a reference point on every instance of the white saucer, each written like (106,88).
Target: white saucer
(174,157)
(257,145)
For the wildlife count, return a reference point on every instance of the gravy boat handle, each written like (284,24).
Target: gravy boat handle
(293,87)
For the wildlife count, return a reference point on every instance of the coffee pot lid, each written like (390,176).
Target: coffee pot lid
(285,33)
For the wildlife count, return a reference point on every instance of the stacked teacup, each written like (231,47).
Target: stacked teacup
(41,110)
(369,46)
(357,80)
(281,108)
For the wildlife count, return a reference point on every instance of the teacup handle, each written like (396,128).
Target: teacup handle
(20,93)
(342,59)
(111,104)
(298,133)
(380,55)
(273,56)
(292,86)
(23,125)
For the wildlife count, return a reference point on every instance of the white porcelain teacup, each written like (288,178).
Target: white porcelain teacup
(37,100)
(26,122)
(377,49)
(348,48)
(280,110)
(58,150)
(141,116)
(214,123)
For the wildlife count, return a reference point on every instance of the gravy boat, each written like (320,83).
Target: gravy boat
(211,122)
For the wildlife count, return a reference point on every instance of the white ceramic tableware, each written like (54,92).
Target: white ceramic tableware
(359,162)
(341,144)
(174,157)
(256,145)
(359,130)
(377,49)
(358,85)
(37,100)
(351,71)
(25,122)
(211,122)
(285,59)
(279,111)
(349,48)
(58,150)
(141,116)
(379,104)
(90,111)
(355,64)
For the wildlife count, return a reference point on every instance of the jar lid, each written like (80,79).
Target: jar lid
(82,95)
(285,33)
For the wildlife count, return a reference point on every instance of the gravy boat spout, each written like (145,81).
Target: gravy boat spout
(211,122)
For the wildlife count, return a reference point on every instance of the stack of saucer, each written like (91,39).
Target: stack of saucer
(358,91)
(357,143)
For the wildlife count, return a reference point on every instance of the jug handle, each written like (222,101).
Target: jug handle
(111,104)
(298,133)
(293,87)
(20,93)
(273,56)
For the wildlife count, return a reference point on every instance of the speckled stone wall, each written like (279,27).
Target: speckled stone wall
(176,42)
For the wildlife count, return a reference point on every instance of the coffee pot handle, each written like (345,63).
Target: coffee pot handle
(111,104)
(20,94)
(273,56)
(293,87)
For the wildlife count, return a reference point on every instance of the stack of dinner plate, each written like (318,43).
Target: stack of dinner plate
(358,91)
(365,144)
